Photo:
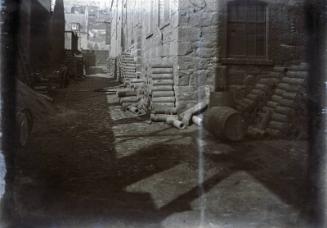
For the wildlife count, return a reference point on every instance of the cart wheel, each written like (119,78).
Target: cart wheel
(24,127)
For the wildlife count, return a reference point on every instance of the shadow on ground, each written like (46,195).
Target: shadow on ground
(70,173)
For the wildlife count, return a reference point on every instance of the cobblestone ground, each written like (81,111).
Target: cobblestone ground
(92,165)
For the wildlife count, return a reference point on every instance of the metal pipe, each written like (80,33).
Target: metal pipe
(197,120)
(175,122)
(187,115)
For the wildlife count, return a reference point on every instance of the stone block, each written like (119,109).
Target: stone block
(205,44)
(206,52)
(184,48)
(199,78)
(189,34)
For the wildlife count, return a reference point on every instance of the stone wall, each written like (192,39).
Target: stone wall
(187,40)
(197,50)
(285,43)
(193,40)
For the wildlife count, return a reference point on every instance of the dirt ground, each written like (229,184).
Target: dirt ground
(92,165)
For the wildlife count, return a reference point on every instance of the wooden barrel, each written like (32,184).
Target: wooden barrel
(225,122)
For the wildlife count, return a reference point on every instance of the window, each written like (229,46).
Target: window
(75,27)
(164,12)
(247,29)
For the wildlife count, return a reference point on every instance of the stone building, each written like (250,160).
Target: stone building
(255,49)
(89,22)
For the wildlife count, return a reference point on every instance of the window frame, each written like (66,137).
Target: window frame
(246,58)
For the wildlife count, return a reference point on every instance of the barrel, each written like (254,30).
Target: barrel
(225,122)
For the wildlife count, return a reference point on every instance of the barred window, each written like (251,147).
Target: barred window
(247,29)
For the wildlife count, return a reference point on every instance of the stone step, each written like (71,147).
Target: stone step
(258,92)
(162,109)
(277,125)
(40,87)
(287,103)
(272,104)
(276,98)
(129,68)
(163,104)
(128,59)
(163,88)
(137,80)
(129,72)
(163,99)
(162,66)
(132,76)
(162,70)
(289,95)
(162,76)
(269,81)
(279,117)
(288,87)
(297,74)
(297,81)
(282,100)
(283,110)
(301,67)
(163,94)
(261,86)
(162,82)
(123,64)
(273,132)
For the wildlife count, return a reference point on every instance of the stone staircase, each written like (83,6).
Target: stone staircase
(130,76)
(277,102)
(261,92)
(285,103)
(161,86)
